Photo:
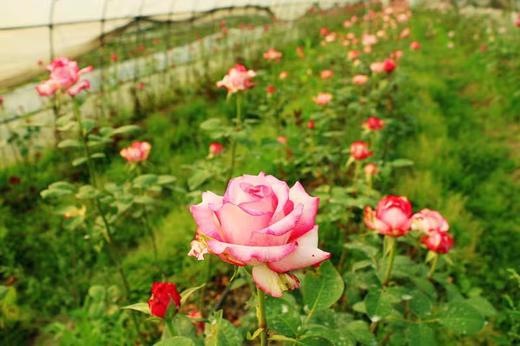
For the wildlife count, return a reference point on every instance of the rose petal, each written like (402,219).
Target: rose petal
(204,215)
(305,255)
(238,224)
(250,255)
(297,194)
(273,283)
(286,224)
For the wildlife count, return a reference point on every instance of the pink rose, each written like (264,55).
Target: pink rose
(405,33)
(353,54)
(238,78)
(374,124)
(272,55)
(415,45)
(429,221)
(311,124)
(282,140)
(359,150)
(377,67)
(64,75)
(396,55)
(136,152)
(369,40)
(322,99)
(440,242)
(324,31)
(326,74)
(262,222)
(391,217)
(370,169)
(360,79)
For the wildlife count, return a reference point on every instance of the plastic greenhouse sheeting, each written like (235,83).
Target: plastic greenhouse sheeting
(25,25)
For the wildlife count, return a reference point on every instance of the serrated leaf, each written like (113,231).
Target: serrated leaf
(420,334)
(188,292)
(79,161)
(322,288)
(69,143)
(141,307)
(420,304)
(378,304)
(482,305)
(462,318)
(125,129)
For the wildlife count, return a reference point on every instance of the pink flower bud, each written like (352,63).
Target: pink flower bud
(272,55)
(322,99)
(415,45)
(391,217)
(371,169)
(283,75)
(360,79)
(270,89)
(389,65)
(215,149)
(311,124)
(238,78)
(359,150)
(374,124)
(439,242)
(326,74)
(136,152)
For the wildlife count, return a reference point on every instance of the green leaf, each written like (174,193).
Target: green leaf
(462,318)
(222,333)
(166,179)
(401,163)
(420,304)
(69,143)
(378,304)
(125,129)
(198,178)
(79,161)
(188,292)
(420,335)
(322,288)
(211,124)
(141,307)
(98,156)
(87,124)
(482,305)
(145,180)
(360,332)
(282,315)
(86,192)
(176,341)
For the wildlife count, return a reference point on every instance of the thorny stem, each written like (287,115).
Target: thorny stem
(260,314)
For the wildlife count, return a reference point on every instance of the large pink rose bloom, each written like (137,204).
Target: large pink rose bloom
(262,222)
(238,78)
(64,75)
(391,217)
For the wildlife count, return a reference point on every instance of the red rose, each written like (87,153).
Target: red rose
(359,150)
(311,124)
(440,242)
(163,294)
(389,65)
(374,124)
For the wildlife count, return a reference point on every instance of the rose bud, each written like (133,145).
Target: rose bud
(360,79)
(300,52)
(429,221)
(270,89)
(163,295)
(282,140)
(261,222)
(326,74)
(396,55)
(283,75)
(311,124)
(136,152)
(405,33)
(370,169)
(391,217)
(415,45)
(272,55)
(353,54)
(238,78)
(324,31)
(1,101)
(14,180)
(439,242)
(377,67)
(322,99)
(114,57)
(359,150)
(140,86)
(373,124)
(196,316)
(389,65)
(517,21)
(215,149)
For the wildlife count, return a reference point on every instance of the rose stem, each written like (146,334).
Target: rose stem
(260,314)
(434,265)
(390,249)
